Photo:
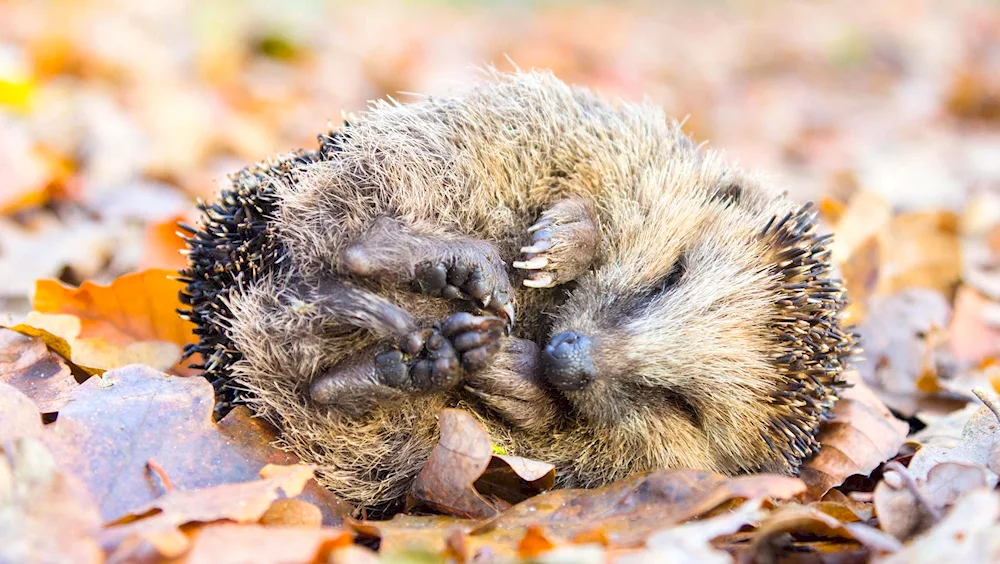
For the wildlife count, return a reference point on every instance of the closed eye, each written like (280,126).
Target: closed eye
(675,275)
(664,285)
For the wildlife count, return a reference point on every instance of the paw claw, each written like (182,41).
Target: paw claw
(543,280)
(534,263)
(545,222)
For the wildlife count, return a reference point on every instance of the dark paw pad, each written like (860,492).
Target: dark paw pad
(463,279)
(436,359)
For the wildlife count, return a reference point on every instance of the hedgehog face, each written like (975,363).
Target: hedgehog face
(697,294)
(654,329)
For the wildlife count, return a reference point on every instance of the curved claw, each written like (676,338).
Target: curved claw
(543,280)
(545,222)
(534,263)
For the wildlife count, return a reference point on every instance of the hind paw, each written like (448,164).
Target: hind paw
(563,245)
(438,358)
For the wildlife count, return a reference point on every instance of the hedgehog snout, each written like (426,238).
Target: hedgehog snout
(568,363)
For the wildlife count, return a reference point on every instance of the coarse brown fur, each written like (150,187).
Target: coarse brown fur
(708,302)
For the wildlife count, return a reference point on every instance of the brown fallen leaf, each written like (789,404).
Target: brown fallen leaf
(690,543)
(463,461)
(424,533)
(973,337)
(969,533)
(921,249)
(861,274)
(627,512)
(19,416)
(226,542)
(899,337)
(292,512)
(158,522)
(27,364)
(979,438)
(808,521)
(862,435)
(46,515)
(133,319)
(514,479)
(113,426)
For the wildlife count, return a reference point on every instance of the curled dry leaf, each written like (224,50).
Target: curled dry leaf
(27,364)
(690,543)
(808,521)
(969,533)
(628,511)
(133,319)
(862,435)
(975,447)
(158,522)
(463,461)
(46,515)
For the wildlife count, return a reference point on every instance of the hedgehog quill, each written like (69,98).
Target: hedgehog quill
(601,292)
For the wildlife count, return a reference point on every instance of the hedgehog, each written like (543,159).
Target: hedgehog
(598,290)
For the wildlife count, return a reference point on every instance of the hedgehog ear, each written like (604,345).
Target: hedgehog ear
(728,195)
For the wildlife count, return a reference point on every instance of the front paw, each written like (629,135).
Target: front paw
(467,278)
(563,245)
(437,358)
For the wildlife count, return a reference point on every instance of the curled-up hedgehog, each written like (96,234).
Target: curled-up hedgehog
(601,292)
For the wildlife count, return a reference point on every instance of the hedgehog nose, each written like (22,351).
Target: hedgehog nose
(568,365)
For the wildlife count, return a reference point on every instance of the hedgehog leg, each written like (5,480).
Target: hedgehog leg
(563,245)
(423,361)
(514,387)
(438,264)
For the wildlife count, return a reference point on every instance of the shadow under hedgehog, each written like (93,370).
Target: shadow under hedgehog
(662,308)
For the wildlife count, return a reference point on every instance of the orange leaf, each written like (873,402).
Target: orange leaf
(125,322)
(163,245)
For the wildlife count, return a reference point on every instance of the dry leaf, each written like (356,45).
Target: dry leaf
(865,215)
(114,425)
(224,542)
(690,543)
(861,272)
(158,522)
(163,245)
(901,338)
(862,435)
(27,364)
(969,533)
(461,456)
(462,470)
(46,515)
(921,250)
(292,512)
(975,447)
(626,512)
(973,336)
(134,319)
(808,521)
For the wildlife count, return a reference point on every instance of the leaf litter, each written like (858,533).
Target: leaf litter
(891,122)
